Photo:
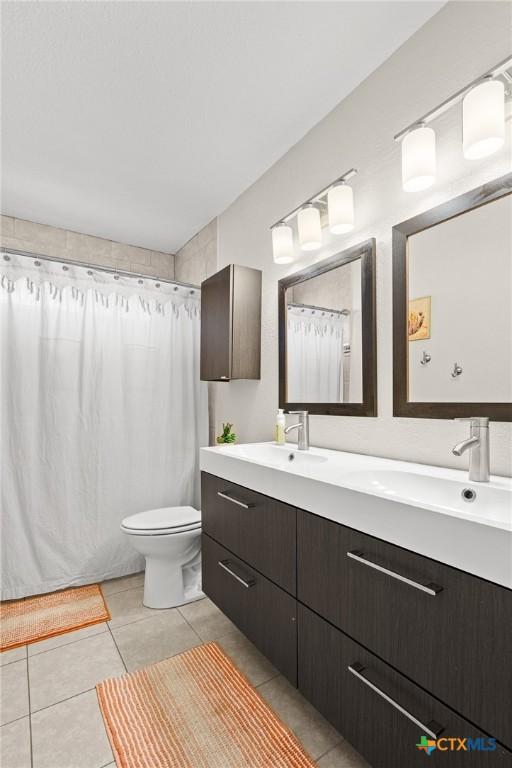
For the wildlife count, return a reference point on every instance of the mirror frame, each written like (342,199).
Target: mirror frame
(402,406)
(368,407)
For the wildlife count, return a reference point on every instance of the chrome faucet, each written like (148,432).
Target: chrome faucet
(302,428)
(478,446)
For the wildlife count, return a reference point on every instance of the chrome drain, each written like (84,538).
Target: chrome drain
(468,494)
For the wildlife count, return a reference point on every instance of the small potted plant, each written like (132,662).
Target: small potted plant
(227,435)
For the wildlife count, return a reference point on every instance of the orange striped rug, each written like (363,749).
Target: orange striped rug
(194,710)
(36,618)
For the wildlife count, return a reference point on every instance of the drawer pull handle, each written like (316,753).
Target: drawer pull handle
(245,582)
(430,589)
(433,728)
(233,500)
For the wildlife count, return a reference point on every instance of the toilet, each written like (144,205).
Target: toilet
(170,540)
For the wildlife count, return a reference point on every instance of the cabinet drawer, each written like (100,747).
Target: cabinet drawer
(447,630)
(375,708)
(264,612)
(258,529)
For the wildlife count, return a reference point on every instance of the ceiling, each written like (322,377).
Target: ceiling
(141,121)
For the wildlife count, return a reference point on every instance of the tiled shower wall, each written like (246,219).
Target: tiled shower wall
(197,260)
(22,235)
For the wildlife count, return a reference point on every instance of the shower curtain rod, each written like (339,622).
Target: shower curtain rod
(344,312)
(97,268)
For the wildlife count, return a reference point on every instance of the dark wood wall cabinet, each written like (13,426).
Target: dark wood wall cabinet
(231,324)
(387,644)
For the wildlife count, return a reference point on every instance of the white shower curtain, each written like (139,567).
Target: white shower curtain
(314,345)
(102,415)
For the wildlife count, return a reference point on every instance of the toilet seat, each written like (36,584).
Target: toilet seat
(162,521)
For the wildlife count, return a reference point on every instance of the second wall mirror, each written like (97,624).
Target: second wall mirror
(452,308)
(327,338)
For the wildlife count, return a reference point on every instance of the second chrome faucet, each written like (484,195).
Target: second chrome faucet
(302,427)
(478,446)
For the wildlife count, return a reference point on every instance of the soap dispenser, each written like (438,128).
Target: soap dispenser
(280,425)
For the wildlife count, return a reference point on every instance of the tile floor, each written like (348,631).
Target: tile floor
(49,711)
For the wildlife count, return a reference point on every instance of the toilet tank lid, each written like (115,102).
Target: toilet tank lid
(165,517)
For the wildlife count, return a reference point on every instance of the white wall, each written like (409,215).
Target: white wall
(455,46)
(196,261)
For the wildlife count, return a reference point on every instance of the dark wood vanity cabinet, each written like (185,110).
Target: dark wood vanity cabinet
(447,630)
(249,566)
(260,530)
(387,644)
(231,324)
(263,611)
(359,694)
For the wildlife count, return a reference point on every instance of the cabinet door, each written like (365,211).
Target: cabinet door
(380,712)
(264,613)
(445,629)
(260,530)
(246,322)
(216,316)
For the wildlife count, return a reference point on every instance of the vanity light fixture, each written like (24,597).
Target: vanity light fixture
(336,200)
(310,228)
(483,117)
(282,243)
(419,159)
(340,207)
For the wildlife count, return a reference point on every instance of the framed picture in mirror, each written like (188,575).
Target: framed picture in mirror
(327,337)
(452,308)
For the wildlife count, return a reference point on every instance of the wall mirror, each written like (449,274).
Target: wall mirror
(452,308)
(327,339)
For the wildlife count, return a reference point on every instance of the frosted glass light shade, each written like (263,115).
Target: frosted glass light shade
(419,159)
(483,119)
(340,204)
(310,229)
(282,244)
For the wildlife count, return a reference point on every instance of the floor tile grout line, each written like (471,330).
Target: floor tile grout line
(2,666)
(263,682)
(61,701)
(119,652)
(158,612)
(10,722)
(196,633)
(29,711)
(329,750)
(120,591)
(71,642)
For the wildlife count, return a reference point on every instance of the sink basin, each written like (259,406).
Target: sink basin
(478,499)
(434,511)
(277,455)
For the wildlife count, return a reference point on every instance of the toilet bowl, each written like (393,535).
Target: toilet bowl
(170,540)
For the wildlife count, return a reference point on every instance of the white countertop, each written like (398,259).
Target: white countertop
(415,506)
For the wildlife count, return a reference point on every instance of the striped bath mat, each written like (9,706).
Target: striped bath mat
(194,710)
(36,618)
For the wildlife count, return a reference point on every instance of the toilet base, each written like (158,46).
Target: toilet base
(169,585)
(193,599)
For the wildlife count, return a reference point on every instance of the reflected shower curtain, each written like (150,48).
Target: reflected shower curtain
(314,345)
(102,415)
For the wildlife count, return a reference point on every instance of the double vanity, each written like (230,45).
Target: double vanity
(381,589)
